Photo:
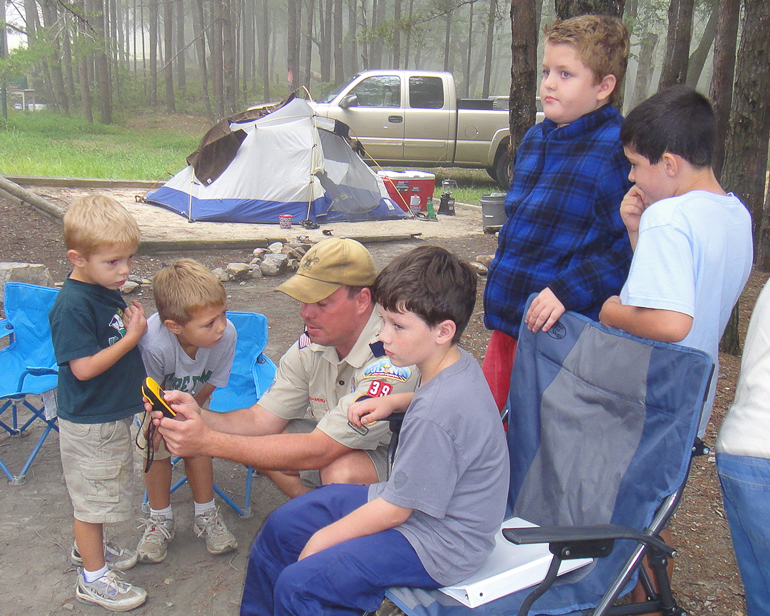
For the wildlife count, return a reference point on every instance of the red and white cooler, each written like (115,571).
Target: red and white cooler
(409,189)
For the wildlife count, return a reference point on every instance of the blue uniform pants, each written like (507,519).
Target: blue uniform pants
(746,491)
(347,578)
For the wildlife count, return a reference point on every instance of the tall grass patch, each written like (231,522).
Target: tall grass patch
(43,143)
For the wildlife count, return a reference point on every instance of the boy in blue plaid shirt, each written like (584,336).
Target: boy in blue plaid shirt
(563,237)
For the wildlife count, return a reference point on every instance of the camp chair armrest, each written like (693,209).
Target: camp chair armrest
(576,535)
(33,371)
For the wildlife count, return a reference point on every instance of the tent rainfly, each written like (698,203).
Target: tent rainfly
(259,164)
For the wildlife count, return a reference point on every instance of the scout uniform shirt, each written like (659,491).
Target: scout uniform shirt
(313,383)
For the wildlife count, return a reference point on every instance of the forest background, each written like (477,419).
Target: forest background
(107,59)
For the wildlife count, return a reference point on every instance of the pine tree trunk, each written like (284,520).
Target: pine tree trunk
(309,43)
(181,68)
(104,90)
(153,43)
(721,90)
(644,69)
(698,58)
(490,39)
(746,164)
(522,107)
(228,56)
(215,48)
(293,30)
(264,49)
(677,43)
(168,44)
(199,23)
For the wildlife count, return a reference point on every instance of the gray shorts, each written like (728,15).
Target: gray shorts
(97,460)
(312,479)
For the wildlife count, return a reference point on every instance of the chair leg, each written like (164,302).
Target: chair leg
(21,477)
(15,430)
(245,511)
(6,472)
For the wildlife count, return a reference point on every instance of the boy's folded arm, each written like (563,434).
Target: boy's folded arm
(374,517)
(85,368)
(369,410)
(651,323)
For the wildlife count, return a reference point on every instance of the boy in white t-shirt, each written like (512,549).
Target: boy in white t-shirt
(189,346)
(692,241)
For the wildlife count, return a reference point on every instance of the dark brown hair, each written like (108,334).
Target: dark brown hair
(432,283)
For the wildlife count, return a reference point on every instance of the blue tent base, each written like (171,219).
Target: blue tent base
(261,211)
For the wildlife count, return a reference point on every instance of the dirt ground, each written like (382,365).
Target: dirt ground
(35,518)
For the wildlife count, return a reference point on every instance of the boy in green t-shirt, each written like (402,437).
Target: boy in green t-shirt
(100,374)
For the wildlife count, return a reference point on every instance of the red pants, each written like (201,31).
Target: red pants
(498,364)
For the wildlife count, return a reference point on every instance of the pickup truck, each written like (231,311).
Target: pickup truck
(414,118)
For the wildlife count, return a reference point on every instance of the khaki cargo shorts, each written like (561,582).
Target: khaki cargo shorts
(97,460)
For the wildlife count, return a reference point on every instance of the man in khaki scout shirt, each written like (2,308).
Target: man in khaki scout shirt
(298,433)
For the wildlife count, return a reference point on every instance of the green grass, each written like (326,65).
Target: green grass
(47,144)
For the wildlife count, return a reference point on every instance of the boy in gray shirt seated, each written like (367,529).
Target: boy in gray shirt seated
(433,522)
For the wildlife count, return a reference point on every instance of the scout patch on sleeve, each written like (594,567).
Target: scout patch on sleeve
(378,389)
(383,369)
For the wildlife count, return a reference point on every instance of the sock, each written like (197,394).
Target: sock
(167,513)
(201,508)
(92,576)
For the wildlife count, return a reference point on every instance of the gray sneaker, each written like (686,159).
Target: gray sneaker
(158,532)
(110,592)
(211,527)
(115,557)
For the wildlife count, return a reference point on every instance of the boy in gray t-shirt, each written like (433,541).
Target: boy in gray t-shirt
(433,522)
(189,346)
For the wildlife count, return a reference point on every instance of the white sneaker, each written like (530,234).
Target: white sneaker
(115,557)
(158,532)
(110,592)
(210,526)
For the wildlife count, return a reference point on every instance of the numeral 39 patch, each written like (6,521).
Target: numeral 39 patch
(379,388)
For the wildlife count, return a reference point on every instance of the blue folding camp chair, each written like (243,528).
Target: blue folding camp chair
(251,374)
(601,433)
(27,365)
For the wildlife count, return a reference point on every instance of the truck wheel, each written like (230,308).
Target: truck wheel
(492,173)
(503,169)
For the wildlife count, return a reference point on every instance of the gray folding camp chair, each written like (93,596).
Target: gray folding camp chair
(601,433)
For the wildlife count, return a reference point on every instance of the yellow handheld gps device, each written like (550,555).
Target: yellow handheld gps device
(152,391)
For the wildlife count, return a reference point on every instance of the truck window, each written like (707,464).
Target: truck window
(426,92)
(379,91)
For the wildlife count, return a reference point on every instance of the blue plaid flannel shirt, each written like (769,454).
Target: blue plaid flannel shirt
(563,229)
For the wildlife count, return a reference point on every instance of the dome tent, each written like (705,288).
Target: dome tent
(257,165)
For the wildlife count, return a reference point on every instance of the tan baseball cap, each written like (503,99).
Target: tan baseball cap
(326,267)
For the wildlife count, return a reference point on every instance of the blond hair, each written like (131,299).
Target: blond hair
(601,43)
(185,287)
(98,220)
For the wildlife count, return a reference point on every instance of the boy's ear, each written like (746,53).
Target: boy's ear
(672,163)
(607,87)
(173,326)
(445,331)
(77,259)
